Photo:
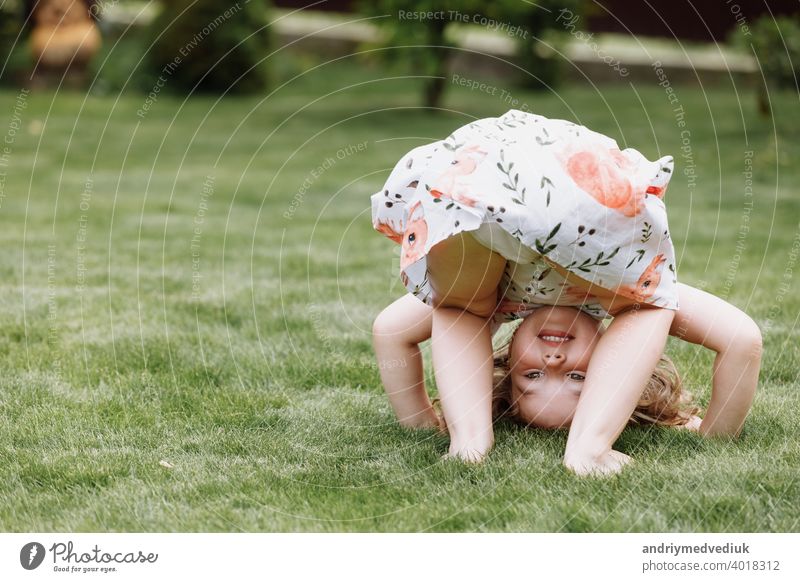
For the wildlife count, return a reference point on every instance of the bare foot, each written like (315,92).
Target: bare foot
(609,463)
(468,456)
(469,453)
(429,419)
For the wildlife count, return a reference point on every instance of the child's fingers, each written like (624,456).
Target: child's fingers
(618,460)
(693,425)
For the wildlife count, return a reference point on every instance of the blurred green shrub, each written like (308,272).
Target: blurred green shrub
(776,44)
(13,43)
(419,29)
(211,46)
(117,66)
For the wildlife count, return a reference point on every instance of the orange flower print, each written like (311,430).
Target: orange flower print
(658,184)
(647,283)
(603,173)
(450,184)
(414,237)
(388,229)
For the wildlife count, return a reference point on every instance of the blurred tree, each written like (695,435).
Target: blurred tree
(419,30)
(546,34)
(776,44)
(12,42)
(208,45)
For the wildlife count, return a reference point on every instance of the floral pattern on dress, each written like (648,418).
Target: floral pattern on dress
(559,192)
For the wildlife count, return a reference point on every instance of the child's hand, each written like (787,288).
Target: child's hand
(693,425)
(608,463)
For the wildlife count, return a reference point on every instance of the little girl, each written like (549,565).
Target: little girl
(559,340)
(508,215)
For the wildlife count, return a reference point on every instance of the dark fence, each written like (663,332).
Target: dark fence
(703,20)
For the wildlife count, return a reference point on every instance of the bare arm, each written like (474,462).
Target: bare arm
(709,321)
(396,334)
(623,360)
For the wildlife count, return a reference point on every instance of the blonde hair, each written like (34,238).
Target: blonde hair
(664,400)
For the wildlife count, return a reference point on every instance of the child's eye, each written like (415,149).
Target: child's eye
(577,376)
(534,375)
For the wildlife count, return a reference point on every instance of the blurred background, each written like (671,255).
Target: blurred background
(114,45)
(190,274)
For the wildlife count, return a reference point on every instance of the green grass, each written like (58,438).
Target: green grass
(259,386)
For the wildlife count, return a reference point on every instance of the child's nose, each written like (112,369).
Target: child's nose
(553,358)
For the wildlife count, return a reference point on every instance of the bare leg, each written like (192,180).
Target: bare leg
(462,362)
(623,360)
(464,276)
(396,335)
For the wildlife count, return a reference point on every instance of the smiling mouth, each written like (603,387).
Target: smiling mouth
(554,337)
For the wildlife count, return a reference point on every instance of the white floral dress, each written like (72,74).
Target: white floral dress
(540,192)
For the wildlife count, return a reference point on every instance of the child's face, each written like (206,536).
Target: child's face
(549,355)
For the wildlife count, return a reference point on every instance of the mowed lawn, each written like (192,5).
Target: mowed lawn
(187,298)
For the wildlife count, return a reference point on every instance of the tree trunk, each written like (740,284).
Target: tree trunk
(763,101)
(434,86)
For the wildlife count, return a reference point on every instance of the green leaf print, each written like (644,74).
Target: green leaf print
(546,139)
(418,288)
(637,258)
(647,232)
(545,247)
(451,146)
(548,184)
(601,260)
(512,181)
(537,285)
(537,288)
(509,121)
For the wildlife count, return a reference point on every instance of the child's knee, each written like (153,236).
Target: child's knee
(385,325)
